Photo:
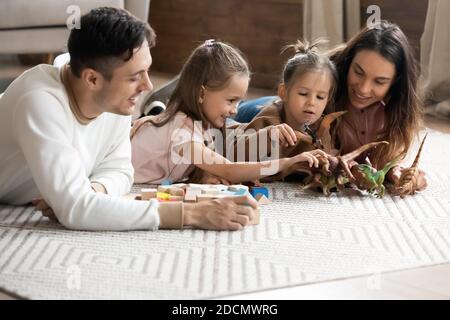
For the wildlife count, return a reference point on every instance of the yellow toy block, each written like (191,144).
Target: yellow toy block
(163,196)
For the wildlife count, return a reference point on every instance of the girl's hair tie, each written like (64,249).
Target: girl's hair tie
(209,42)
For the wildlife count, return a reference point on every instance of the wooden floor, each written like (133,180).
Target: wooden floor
(421,283)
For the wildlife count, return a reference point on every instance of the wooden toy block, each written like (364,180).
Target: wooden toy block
(162,196)
(176,198)
(254,191)
(204,197)
(262,199)
(175,191)
(148,193)
(211,191)
(255,219)
(163,189)
(191,194)
(180,185)
(196,186)
(240,192)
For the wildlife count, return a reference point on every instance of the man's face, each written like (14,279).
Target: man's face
(120,94)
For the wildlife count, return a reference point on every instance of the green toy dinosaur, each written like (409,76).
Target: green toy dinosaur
(374,178)
(331,173)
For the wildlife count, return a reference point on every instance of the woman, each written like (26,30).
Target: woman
(378,89)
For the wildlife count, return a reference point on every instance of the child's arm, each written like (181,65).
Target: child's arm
(240,140)
(235,172)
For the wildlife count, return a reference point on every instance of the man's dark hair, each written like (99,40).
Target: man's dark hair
(106,39)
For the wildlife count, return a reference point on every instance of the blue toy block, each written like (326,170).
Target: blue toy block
(228,193)
(166,182)
(240,192)
(254,191)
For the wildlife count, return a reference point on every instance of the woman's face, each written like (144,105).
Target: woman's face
(370,77)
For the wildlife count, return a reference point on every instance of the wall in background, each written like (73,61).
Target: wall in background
(259,28)
(408,14)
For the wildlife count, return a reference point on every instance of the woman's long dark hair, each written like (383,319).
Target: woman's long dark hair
(404,109)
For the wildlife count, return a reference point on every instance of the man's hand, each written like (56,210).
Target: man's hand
(42,206)
(231,213)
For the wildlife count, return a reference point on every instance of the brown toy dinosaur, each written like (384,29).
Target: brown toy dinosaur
(333,171)
(407,185)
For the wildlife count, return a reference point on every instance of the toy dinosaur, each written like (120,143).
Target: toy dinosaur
(332,172)
(375,178)
(407,185)
(321,139)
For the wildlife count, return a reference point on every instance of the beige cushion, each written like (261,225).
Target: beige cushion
(26,13)
(34,40)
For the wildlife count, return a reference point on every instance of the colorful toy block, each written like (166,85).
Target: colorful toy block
(176,198)
(254,191)
(202,192)
(191,194)
(210,191)
(240,192)
(176,191)
(262,199)
(162,196)
(148,193)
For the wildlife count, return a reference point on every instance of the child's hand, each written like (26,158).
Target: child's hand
(314,158)
(203,177)
(286,134)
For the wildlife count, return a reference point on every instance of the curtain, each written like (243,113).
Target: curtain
(336,20)
(435,58)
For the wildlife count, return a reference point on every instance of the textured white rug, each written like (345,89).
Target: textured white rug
(303,237)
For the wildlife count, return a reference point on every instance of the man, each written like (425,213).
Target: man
(64,135)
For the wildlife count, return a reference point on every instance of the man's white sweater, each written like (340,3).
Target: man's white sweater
(45,152)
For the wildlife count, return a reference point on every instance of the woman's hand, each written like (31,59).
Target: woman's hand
(285,133)
(409,181)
